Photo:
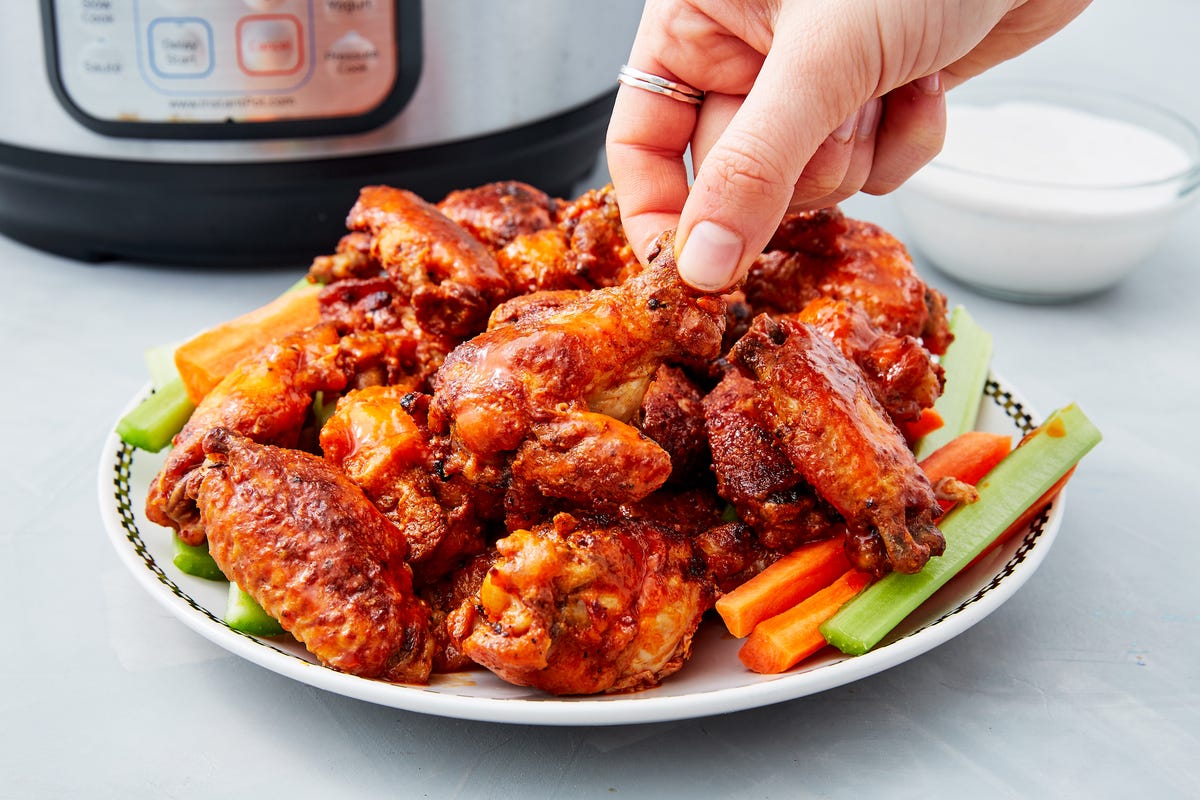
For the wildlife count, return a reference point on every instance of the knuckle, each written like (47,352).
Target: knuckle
(750,166)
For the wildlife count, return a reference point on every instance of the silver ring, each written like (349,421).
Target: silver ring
(659,85)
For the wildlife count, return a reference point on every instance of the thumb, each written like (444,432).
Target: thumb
(744,184)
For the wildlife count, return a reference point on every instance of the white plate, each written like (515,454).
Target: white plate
(713,682)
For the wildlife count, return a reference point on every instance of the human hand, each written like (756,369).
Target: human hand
(807,102)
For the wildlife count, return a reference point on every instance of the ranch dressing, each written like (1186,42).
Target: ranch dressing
(1041,157)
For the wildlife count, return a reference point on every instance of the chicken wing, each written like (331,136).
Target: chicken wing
(294,533)
(824,254)
(374,438)
(901,372)
(497,213)
(581,606)
(599,250)
(552,392)
(352,258)
(452,281)
(755,475)
(673,416)
(841,440)
(585,249)
(266,398)
(444,596)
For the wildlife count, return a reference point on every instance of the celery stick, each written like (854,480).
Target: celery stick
(152,424)
(160,363)
(243,613)
(966,363)
(194,560)
(1004,493)
(323,408)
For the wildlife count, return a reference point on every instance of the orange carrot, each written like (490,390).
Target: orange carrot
(929,421)
(967,457)
(208,357)
(782,585)
(779,643)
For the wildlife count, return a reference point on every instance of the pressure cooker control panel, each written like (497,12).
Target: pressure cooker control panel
(234,68)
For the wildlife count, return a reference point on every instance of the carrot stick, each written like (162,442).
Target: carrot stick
(779,643)
(967,457)
(782,585)
(208,357)
(929,421)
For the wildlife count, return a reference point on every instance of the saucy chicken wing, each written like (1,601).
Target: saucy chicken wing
(582,606)
(585,249)
(825,254)
(294,533)
(755,475)
(497,213)
(552,392)
(451,280)
(374,438)
(900,371)
(836,434)
(266,398)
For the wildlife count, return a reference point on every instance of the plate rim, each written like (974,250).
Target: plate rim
(113,478)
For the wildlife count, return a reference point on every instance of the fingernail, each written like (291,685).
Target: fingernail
(843,132)
(710,256)
(930,84)
(868,118)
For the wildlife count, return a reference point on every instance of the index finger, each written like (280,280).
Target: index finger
(648,137)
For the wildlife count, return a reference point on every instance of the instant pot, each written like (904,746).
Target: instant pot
(239,131)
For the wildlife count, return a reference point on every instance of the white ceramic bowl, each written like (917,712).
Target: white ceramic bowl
(1047,193)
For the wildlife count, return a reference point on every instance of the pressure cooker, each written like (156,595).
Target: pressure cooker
(238,132)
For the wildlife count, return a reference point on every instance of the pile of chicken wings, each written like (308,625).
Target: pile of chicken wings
(532,452)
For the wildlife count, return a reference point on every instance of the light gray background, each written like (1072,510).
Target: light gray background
(1083,685)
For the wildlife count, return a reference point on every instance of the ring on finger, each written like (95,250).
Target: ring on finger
(660,85)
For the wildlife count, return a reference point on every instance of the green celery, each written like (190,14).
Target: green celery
(323,408)
(966,363)
(160,363)
(1004,494)
(243,613)
(155,421)
(195,560)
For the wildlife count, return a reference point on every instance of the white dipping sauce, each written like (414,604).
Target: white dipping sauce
(1051,158)
(1036,198)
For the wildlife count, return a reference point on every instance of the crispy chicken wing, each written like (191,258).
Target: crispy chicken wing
(352,258)
(452,281)
(585,606)
(598,247)
(755,474)
(672,415)
(497,213)
(444,596)
(266,398)
(841,440)
(901,372)
(824,254)
(374,438)
(293,532)
(585,249)
(552,392)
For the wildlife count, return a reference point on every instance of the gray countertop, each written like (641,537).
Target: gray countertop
(1085,683)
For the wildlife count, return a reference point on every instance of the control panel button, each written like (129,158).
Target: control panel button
(101,63)
(97,12)
(352,54)
(180,47)
(269,44)
(348,9)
